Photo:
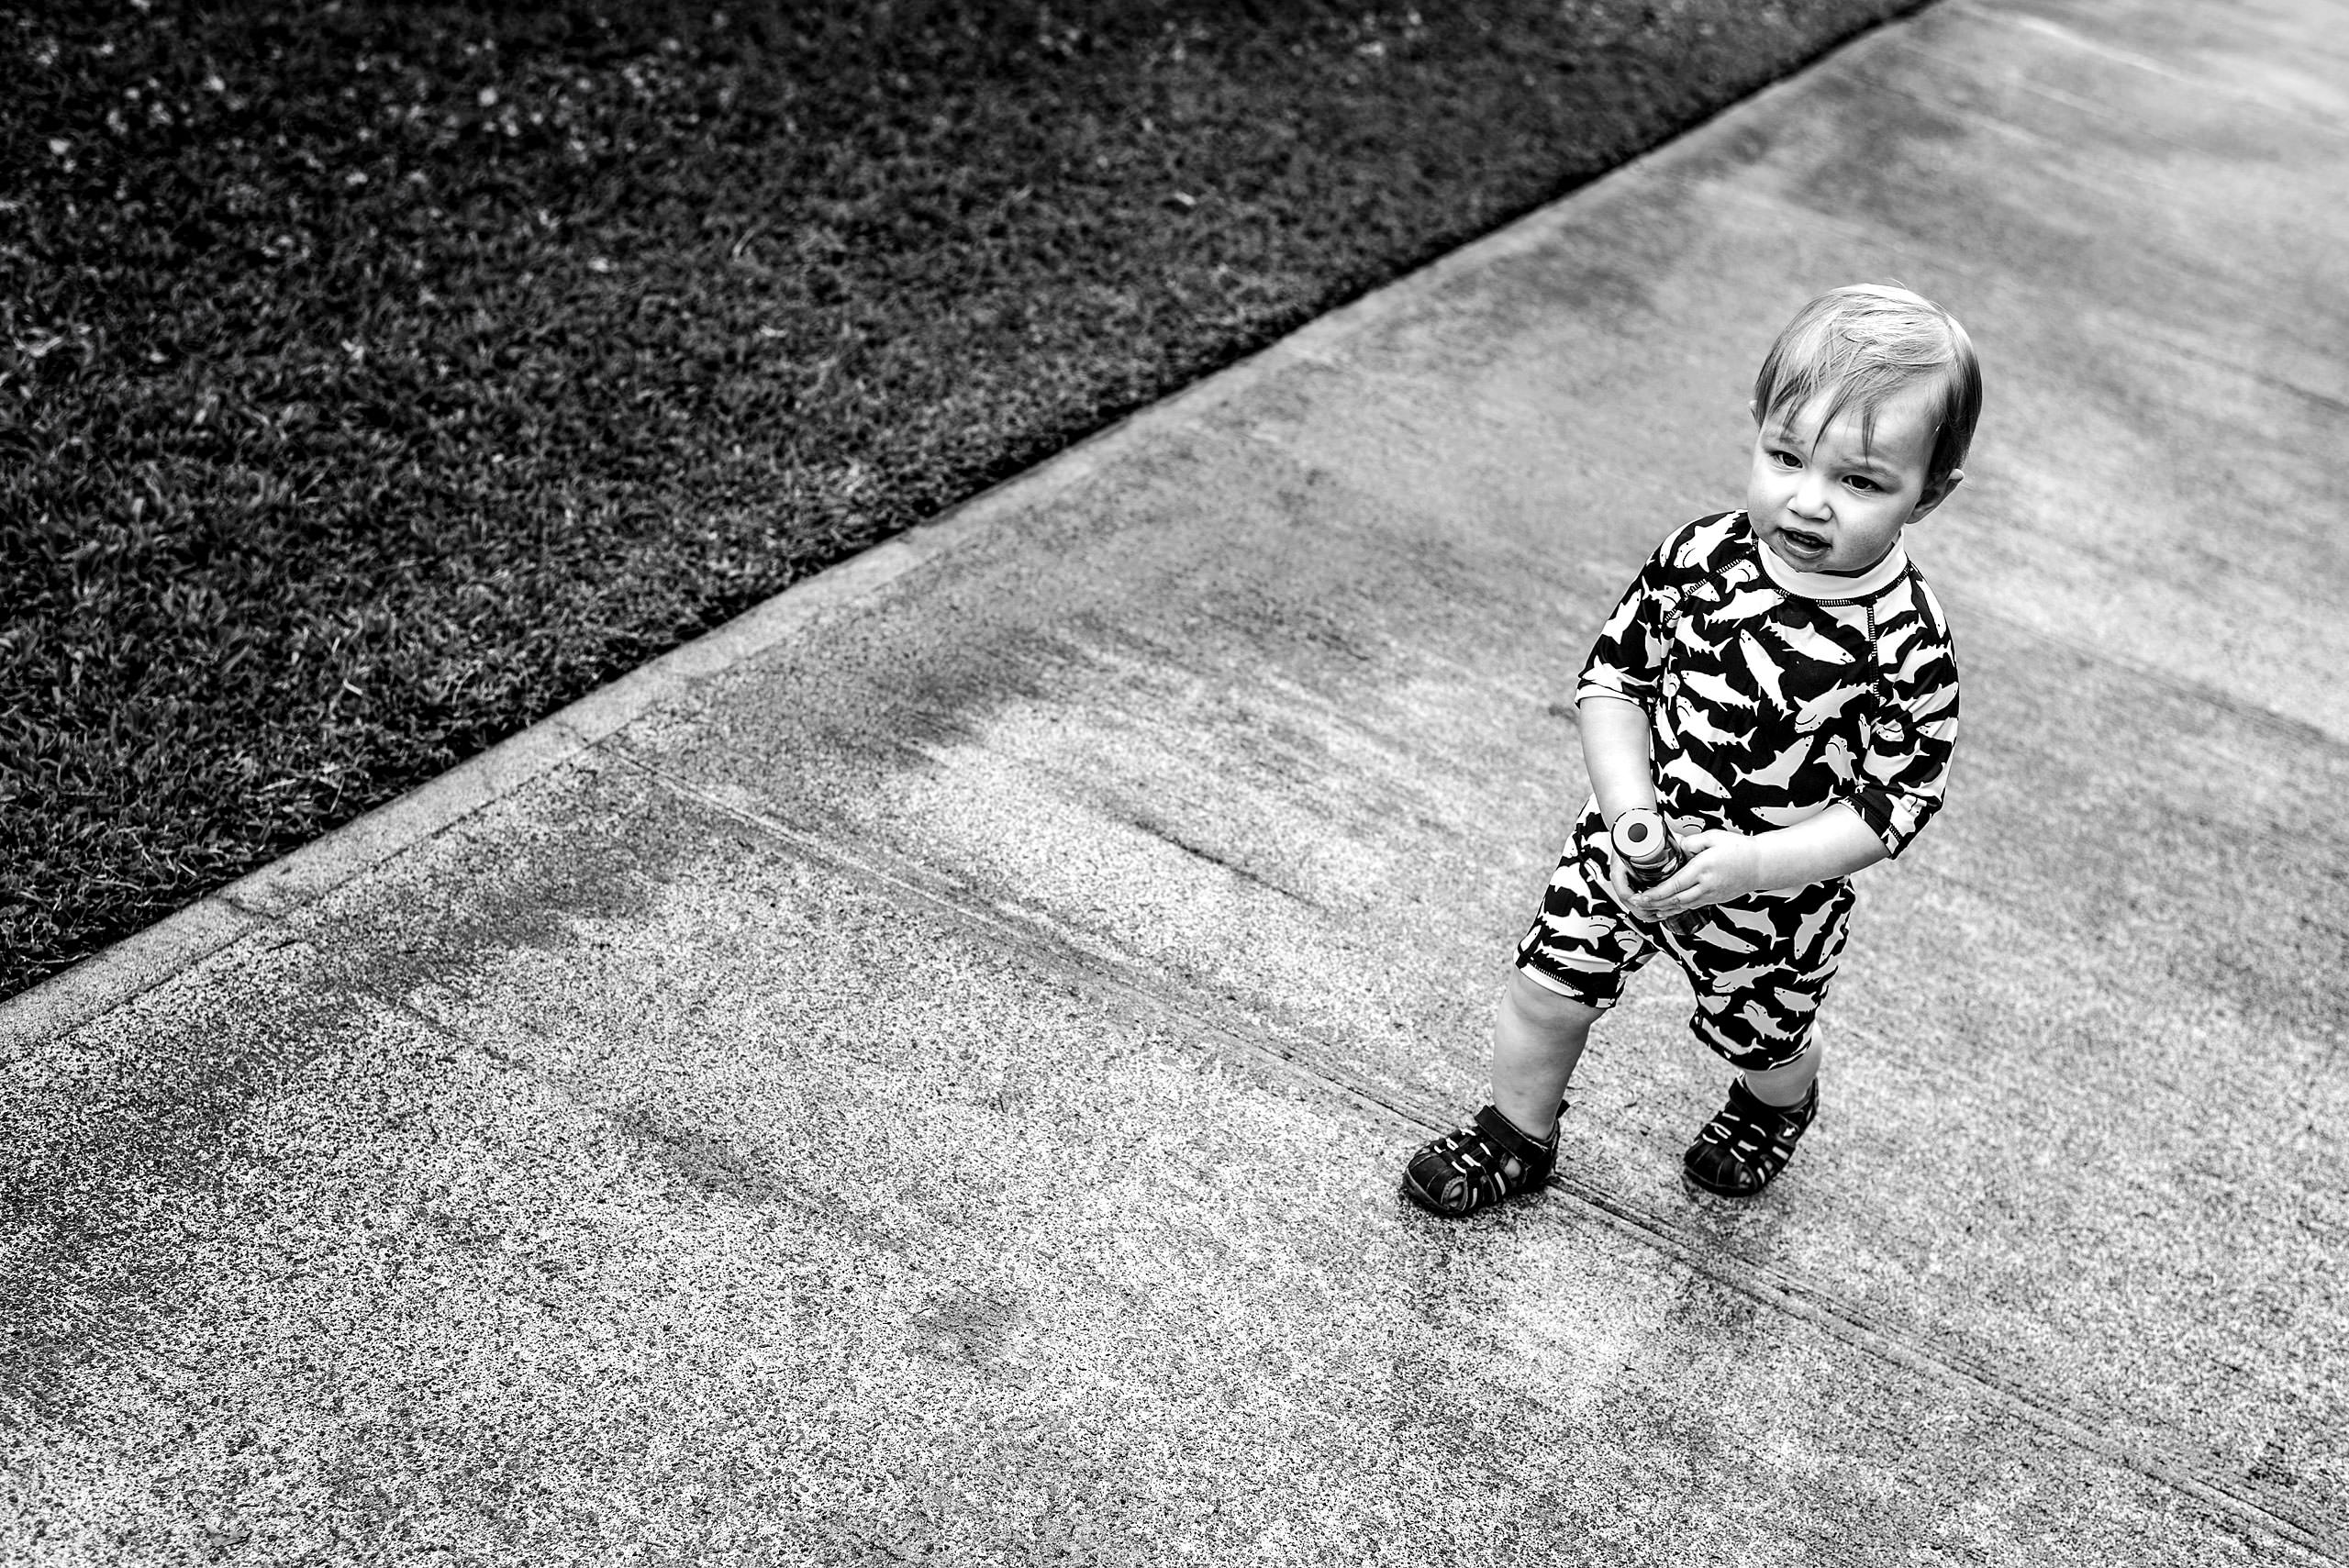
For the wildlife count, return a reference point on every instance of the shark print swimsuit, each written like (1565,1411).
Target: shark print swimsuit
(1771,694)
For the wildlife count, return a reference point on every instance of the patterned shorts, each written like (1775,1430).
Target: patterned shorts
(1759,964)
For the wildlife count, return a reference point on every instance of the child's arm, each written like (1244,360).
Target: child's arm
(1723,865)
(1615,753)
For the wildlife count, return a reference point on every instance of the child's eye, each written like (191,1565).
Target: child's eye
(1785,459)
(1862,482)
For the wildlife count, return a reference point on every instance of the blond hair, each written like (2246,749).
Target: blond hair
(1860,345)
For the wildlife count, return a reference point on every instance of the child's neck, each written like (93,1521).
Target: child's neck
(1833,585)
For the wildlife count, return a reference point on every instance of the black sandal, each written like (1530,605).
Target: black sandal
(1477,1166)
(1743,1150)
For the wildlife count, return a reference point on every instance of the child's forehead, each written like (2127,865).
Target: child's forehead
(1901,423)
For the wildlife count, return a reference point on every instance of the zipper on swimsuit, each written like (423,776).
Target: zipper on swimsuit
(1888,717)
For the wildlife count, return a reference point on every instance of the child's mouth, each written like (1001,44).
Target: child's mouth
(1803,543)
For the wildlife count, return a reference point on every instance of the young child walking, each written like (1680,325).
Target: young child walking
(1777,684)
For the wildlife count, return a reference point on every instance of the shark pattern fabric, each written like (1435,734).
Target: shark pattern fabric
(1771,696)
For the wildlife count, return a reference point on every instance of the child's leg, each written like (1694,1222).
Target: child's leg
(1761,974)
(1581,938)
(1743,1148)
(1510,1148)
(1788,1084)
(1538,1039)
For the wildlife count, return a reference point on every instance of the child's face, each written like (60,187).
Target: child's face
(1825,501)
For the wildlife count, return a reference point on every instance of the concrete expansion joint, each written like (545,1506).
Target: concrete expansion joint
(2229,1495)
(1228,1029)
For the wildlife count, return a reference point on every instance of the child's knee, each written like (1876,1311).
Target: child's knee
(1545,1009)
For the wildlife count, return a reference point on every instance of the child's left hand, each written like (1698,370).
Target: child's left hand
(1721,865)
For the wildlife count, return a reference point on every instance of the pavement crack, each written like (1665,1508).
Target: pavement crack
(1166,835)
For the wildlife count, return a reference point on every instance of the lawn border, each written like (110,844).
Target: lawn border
(122,973)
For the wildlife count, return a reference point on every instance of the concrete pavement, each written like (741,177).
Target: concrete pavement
(923,1073)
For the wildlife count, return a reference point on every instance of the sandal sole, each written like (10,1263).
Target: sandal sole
(1690,1178)
(1411,1190)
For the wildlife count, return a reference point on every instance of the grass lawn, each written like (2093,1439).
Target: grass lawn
(377,377)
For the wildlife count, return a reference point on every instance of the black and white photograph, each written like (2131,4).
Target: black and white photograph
(1174,783)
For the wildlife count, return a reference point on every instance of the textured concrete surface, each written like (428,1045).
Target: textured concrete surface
(923,1075)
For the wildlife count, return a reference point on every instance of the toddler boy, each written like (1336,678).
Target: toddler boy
(1778,682)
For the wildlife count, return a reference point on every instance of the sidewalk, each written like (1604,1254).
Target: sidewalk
(921,1074)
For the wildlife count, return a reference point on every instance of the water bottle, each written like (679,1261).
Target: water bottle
(1650,856)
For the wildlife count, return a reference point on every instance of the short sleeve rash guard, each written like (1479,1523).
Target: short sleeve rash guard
(1767,705)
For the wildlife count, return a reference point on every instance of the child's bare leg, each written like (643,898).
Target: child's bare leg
(1787,1085)
(1510,1146)
(1538,1039)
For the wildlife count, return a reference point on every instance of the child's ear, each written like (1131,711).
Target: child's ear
(1935,494)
